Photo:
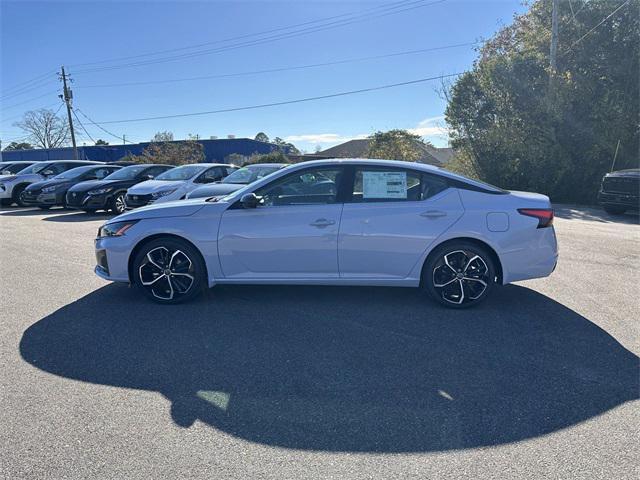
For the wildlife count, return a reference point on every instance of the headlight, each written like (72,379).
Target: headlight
(100,191)
(163,193)
(116,229)
(50,189)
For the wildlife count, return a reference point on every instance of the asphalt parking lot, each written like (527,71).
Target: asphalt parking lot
(309,382)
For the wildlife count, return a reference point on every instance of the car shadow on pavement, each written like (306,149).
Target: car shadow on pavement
(569,212)
(346,369)
(79,216)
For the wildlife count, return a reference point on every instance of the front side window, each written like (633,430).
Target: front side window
(379,184)
(211,175)
(308,187)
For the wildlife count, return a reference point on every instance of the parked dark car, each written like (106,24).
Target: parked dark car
(236,180)
(52,192)
(620,191)
(109,193)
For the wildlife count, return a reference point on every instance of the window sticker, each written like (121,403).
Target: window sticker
(384,185)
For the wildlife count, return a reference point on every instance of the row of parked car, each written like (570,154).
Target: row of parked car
(119,186)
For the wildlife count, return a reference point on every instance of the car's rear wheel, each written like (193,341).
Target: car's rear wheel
(169,270)
(459,274)
(614,209)
(118,204)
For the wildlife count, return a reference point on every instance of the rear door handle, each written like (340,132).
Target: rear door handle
(322,222)
(433,214)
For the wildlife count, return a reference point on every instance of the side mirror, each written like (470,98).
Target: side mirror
(149,177)
(249,200)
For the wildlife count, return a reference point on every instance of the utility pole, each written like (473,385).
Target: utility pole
(68,97)
(124,141)
(553,54)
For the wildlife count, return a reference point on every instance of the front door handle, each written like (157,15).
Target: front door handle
(433,214)
(322,222)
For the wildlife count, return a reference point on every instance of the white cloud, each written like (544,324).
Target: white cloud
(431,127)
(322,138)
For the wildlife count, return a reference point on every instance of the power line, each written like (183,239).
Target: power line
(30,100)
(256,34)
(102,128)
(594,28)
(306,31)
(286,102)
(27,84)
(282,69)
(82,125)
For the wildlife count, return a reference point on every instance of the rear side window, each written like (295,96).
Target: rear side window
(380,184)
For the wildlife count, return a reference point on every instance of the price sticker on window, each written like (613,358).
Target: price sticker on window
(384,185)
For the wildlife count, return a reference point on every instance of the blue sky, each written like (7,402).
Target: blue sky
(38,37)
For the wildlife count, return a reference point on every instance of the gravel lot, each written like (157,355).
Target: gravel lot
(308,382)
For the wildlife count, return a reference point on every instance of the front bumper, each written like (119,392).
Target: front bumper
(619,199)
(112,258)
(42,199)
(135,201)
(80,200)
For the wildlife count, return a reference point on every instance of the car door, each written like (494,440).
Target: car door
(393,215)
(293,234)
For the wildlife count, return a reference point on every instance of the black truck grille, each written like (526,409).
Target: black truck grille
(621,185)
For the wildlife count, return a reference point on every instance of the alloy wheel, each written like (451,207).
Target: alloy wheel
(119,203)
(460,277)
(168,274)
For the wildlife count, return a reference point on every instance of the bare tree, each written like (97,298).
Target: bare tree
(44,129)
(165,136)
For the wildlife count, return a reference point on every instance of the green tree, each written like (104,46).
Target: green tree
(18,146)
(174,153)
(286,147)
(396,145)
(514,126)
(262,137)
(164,136)
(101,142)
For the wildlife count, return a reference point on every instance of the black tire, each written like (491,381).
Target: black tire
(17,194)
(459,274)
(181,259)
(117,204)
(614,209)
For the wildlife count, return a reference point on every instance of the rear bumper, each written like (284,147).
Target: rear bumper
(619,199)
(537,258)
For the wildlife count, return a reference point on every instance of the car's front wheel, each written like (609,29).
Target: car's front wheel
(118,204)
(459,274)
(169,270)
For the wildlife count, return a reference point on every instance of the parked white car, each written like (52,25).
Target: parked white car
(174,184)
(337,222)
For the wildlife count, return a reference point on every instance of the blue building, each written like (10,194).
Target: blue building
(214,150)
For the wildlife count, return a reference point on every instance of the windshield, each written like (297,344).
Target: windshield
(250,174)
(74,173)
(11,168)
(181,173)
(35,168)
(127,173)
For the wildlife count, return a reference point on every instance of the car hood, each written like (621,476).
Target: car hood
(94,184)
(30,177)
(177,208)
(47,183)
(631,173)
(152,186)
(217,189)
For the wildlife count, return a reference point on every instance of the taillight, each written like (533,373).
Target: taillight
(544,215)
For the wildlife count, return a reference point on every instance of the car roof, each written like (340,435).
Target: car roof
(395,163)
(80,162)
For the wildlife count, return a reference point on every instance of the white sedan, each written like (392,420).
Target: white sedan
(176,183)
(337,222)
